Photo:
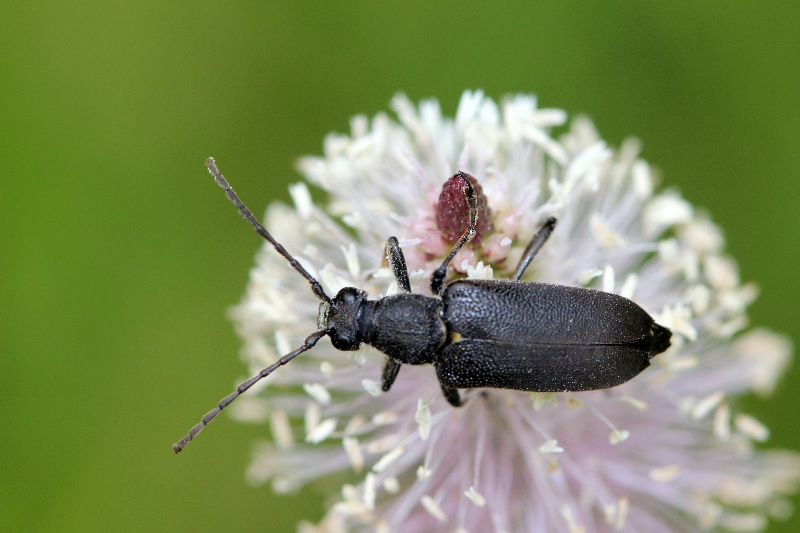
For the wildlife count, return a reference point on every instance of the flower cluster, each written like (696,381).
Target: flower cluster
(664,452)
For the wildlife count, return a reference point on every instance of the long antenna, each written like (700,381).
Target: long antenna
(218,177)
(310,341)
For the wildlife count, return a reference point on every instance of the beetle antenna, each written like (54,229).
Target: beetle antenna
(310,341)
(220,179)
(437,278)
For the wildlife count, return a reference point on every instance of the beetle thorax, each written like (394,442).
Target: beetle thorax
(406,327)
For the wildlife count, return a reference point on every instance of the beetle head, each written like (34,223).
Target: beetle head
(340,318)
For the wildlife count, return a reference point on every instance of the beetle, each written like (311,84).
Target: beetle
(505,334)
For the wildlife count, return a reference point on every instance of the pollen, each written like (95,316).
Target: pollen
(322,431)
(387,460)
(551,446)
(475,497)
(354,454)
(664,474)
(433,508)
(423,419)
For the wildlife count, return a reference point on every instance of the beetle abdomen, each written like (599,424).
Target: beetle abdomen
(538,367)
(541,337)
(540,313)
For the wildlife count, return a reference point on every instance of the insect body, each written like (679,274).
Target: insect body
(478,333)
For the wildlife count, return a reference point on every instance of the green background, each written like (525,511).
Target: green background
(120,256)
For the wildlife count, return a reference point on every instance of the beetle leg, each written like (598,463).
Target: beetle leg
(437,278)
(398,263)
(534,246)
(452,396)
(389,374)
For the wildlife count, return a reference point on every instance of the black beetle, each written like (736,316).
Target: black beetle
(505,334)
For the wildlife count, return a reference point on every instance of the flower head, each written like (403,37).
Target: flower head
(665,451)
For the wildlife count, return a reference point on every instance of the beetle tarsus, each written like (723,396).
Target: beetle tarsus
(534,246)
(394,254)
(389,374)
(452,396)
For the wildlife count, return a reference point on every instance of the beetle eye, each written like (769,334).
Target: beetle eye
(343,341)
(349,295)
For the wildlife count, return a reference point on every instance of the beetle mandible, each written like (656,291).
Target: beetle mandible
(506,334)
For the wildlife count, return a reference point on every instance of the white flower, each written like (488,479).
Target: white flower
(666,451)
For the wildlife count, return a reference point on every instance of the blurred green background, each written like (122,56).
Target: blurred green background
(120,256)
